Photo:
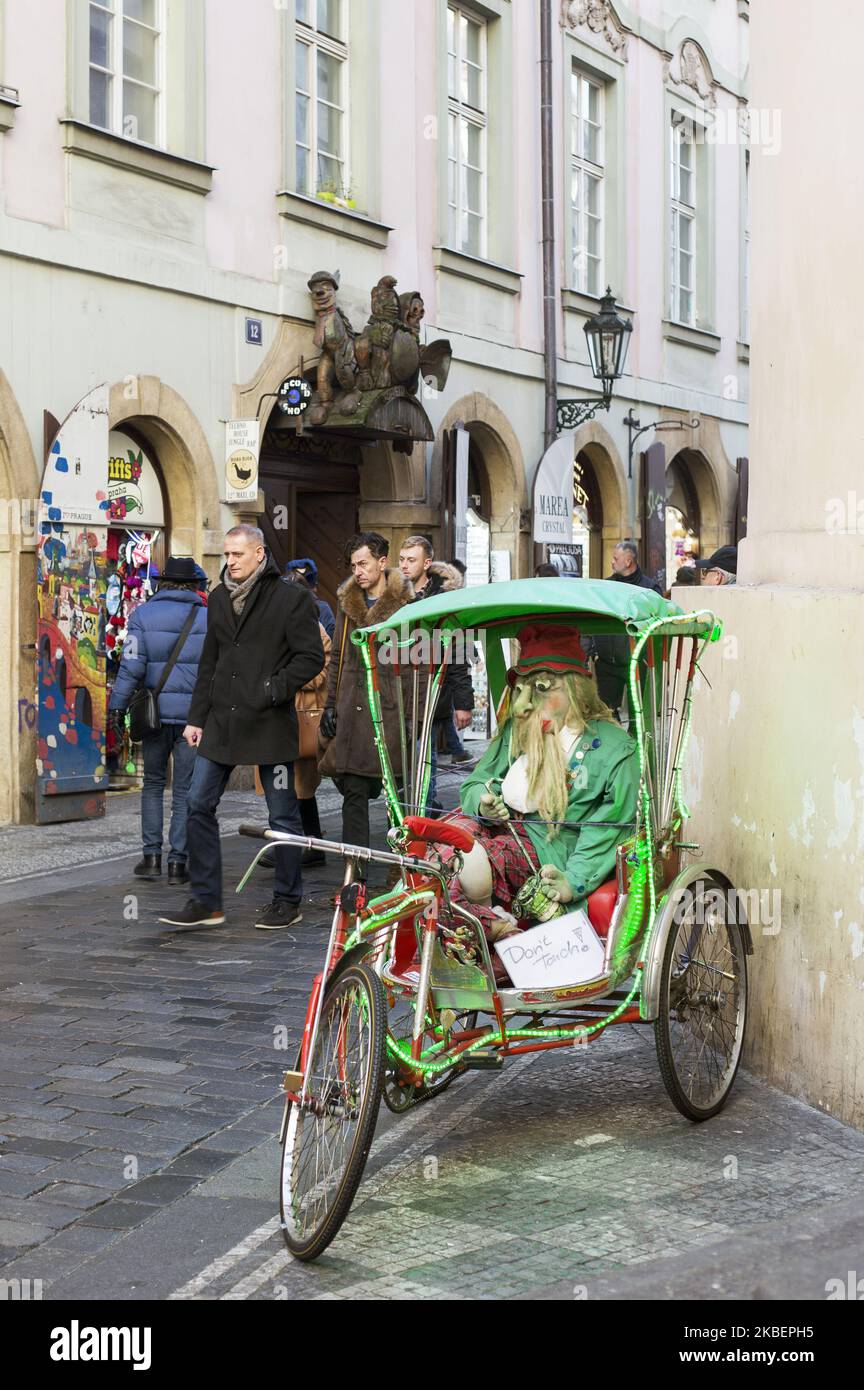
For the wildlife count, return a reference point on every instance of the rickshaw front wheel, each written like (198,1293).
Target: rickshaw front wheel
(699,1030)
(329,1134)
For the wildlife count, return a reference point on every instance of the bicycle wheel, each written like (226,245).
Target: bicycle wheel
(327,1139)
(699,1031)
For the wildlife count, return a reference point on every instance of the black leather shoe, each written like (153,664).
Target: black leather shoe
(149,867)
(195,914)
(177,873)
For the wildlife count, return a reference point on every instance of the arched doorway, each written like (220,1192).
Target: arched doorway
(311,486)
(683,515)
(587,518)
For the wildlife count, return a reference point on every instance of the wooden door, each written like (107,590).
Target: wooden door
(311,509)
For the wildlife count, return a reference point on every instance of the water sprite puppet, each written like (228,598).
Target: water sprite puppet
(555,793)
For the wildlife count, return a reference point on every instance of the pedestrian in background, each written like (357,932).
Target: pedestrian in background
(612,654)
(263,644)
(176,611)
(455,706)
(721,567)
(373,594)
(307,571)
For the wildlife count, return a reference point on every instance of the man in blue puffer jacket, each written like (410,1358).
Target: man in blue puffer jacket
(150,639)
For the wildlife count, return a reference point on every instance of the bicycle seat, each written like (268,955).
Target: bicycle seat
(436,832)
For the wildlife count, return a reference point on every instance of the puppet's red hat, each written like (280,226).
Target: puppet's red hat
(549,647)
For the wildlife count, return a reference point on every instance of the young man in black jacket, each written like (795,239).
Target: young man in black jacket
(262,646)
(456,700)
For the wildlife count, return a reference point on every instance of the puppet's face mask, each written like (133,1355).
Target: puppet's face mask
(543,696)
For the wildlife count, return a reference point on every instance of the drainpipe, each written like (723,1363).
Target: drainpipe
(547,203)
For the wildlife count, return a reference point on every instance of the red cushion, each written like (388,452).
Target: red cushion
(601,904)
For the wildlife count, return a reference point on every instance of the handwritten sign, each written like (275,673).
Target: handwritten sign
(564,951)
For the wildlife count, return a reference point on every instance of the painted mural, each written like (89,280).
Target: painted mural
(71,579)
(71,659)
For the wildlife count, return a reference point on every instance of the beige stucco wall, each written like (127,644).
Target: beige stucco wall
(778,771)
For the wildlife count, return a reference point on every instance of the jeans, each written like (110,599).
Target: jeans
(205,855)
(158,749)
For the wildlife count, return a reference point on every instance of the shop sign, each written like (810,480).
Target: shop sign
(294,395)
(553,494)
(134,494)
(241,460)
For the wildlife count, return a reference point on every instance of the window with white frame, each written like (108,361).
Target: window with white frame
(126,62)
(321,98)
(586,182)
(682,242)
(466,136)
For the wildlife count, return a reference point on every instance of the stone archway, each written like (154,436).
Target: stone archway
(502,457)
(697,476)
(596,442)
(188,470)
(19,492)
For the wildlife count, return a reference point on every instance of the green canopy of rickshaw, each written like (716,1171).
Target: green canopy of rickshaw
(593,605)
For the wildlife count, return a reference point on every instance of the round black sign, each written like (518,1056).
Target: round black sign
(294,395)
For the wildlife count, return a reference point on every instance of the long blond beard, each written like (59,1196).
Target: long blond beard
(546,762)
(546,768)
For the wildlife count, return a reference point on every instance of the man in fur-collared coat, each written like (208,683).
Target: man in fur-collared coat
(372,595)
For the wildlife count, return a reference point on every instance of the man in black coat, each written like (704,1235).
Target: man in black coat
(612,654)
(262,646)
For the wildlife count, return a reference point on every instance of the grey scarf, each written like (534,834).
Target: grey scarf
(241,589)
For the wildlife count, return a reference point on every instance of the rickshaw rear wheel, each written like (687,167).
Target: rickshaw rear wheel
(327,1141)
(699,1031)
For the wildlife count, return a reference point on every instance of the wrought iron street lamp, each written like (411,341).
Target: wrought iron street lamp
(608,337)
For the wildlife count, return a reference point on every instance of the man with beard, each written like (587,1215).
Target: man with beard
(555,792)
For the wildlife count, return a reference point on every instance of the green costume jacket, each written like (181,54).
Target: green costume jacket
(606,791)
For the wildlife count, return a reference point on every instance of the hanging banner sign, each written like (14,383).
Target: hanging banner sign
(553,494)
(241,460)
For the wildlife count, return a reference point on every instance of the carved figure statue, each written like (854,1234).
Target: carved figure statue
(334,338)
(385,354)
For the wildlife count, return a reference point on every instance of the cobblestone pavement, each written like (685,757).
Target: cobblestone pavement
(139,1103)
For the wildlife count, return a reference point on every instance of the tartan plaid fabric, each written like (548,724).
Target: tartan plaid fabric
(509,865)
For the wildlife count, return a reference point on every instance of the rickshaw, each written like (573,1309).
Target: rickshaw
(408,998)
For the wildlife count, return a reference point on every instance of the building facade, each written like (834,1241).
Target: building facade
(172,173)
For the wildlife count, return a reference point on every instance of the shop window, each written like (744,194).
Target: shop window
(683,520)
(126,62)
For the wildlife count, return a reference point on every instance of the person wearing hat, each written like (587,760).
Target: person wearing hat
(153,632)
(555,792)
(307,570)
(721,567)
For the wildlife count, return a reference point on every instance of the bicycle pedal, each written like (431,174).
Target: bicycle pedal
(292,1080)
(476,1062)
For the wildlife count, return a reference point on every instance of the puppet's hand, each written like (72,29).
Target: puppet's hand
(555,884)
(493,807)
